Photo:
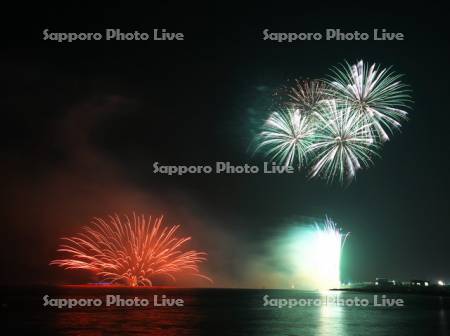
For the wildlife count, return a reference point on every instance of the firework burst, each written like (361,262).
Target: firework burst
(306,95)
(286,137)
(376,93)
(335,126)
(342,143)
(130,251)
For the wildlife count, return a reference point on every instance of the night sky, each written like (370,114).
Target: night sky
(83,123)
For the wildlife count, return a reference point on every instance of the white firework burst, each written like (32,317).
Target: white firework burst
(342,143)
(286,137)
(374,92)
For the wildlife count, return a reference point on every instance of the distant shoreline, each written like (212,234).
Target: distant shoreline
(435,291)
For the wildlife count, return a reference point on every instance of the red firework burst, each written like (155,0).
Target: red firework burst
(130,252)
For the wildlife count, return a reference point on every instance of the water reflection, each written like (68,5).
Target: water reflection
(148,320)
(444,329)
(224,312)
(331,315)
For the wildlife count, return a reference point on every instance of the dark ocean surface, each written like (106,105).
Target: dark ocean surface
(221,312)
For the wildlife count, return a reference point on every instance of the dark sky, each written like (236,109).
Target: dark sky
(84,122)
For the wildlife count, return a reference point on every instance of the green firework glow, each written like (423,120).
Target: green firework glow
(314,253)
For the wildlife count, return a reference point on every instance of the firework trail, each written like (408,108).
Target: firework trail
(376,93)
(131,251)
(286,137)
(342,143)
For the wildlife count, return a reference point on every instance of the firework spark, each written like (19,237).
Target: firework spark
(130,251)
(376,93)
(342,143)
(306,96)
(286,137)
